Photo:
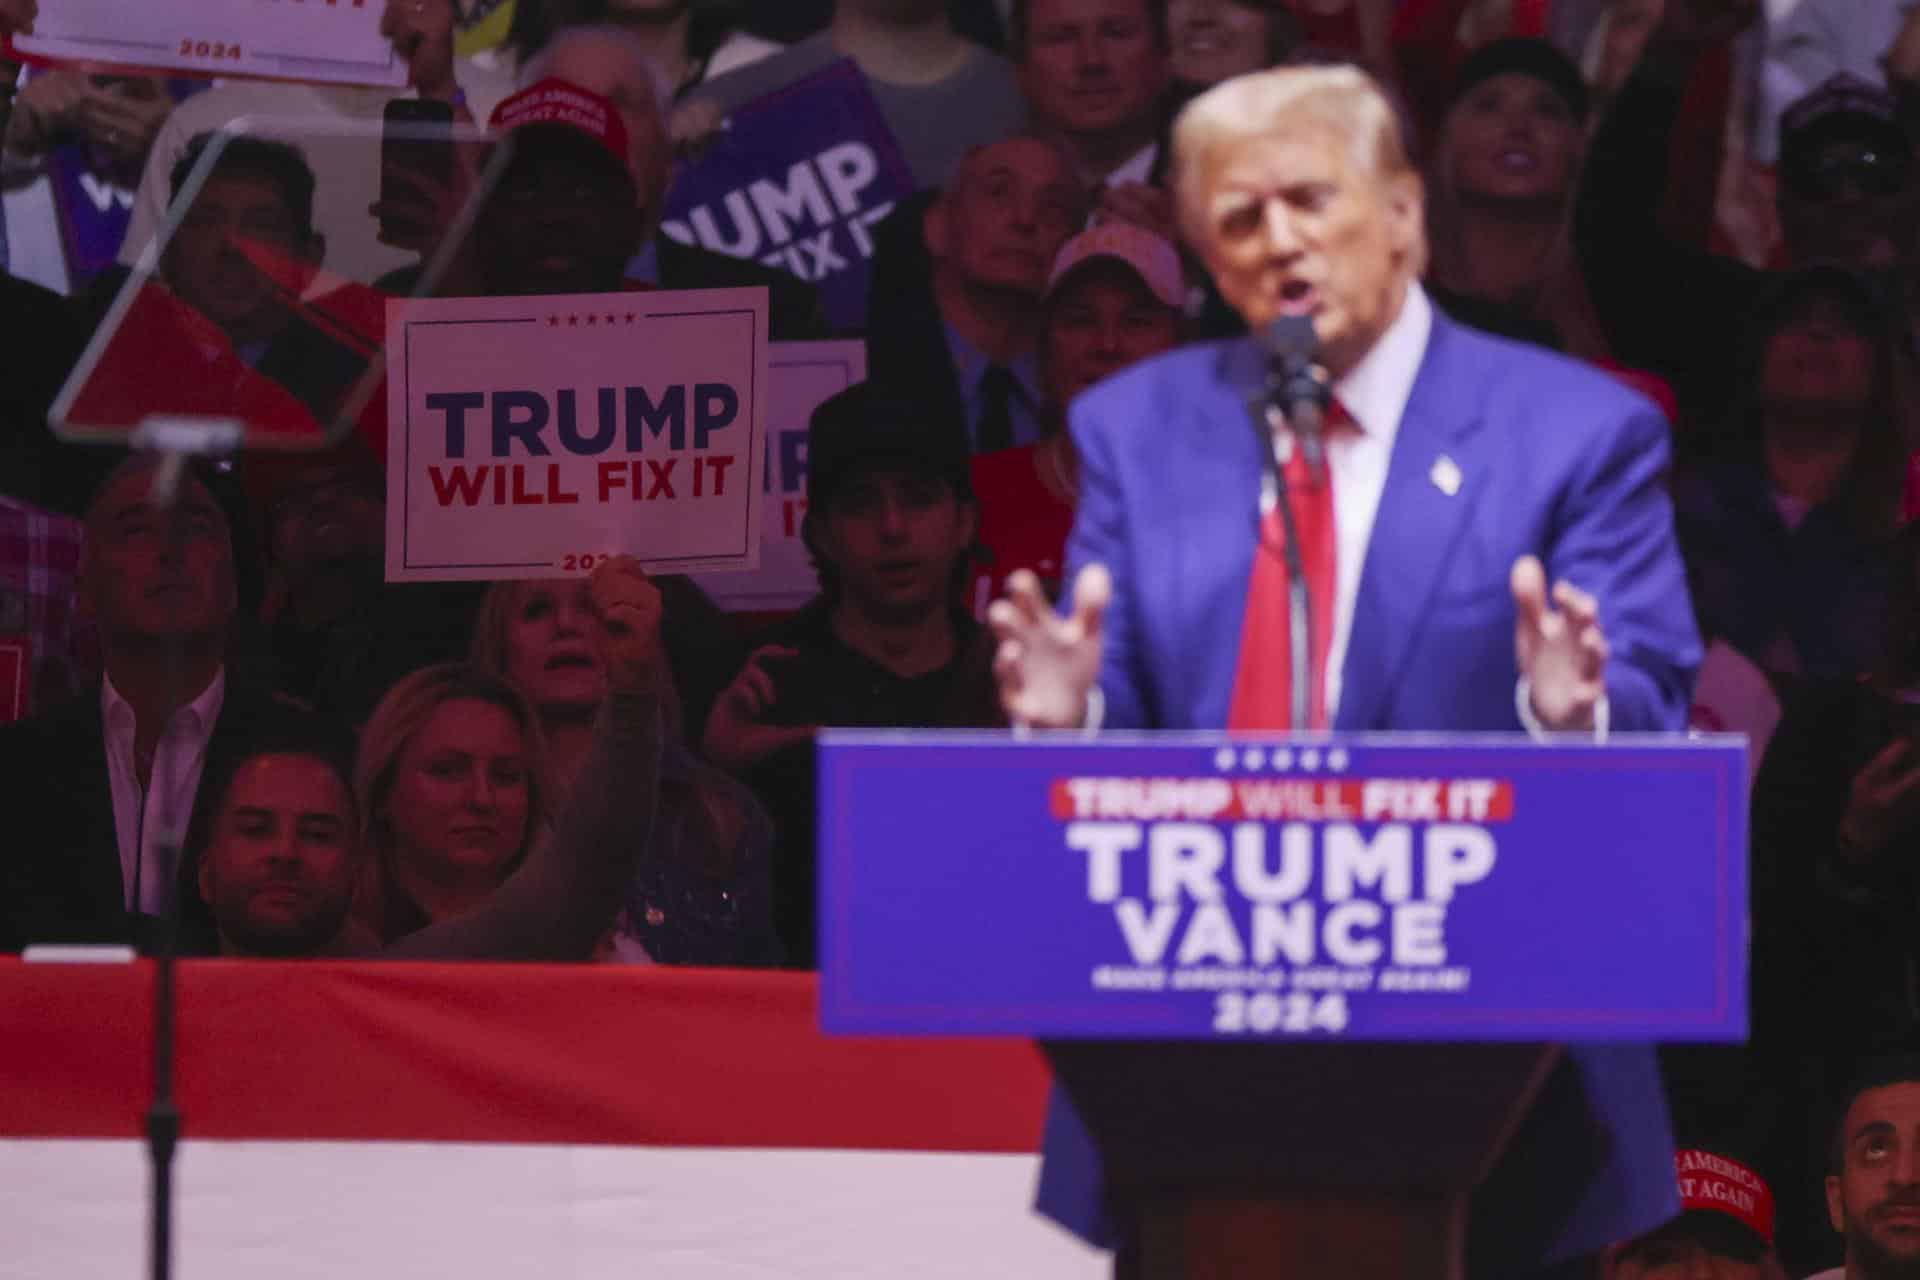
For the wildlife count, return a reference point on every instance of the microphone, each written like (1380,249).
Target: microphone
(1298,387)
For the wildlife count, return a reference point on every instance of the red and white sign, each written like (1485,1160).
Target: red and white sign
(531,437)
(329,41)
(488,1121)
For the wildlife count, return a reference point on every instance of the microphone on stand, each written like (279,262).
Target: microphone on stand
(1298,387)
(1295,395)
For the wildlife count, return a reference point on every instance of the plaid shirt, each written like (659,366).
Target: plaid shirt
(39,565)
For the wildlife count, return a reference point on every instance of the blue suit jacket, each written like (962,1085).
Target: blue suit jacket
(1553,459)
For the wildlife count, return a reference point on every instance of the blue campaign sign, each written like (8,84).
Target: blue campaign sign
(1195,886)
(796,180)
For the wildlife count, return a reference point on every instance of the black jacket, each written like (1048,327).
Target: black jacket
(60,878)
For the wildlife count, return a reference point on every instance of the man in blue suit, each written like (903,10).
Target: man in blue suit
(1463,474)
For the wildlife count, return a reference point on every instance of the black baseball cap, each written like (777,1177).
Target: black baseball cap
(1845,108)
(1527,56)
(872,427)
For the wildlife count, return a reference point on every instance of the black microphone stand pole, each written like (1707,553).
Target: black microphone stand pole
(175,440)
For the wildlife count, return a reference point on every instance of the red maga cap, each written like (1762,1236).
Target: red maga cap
(556,101)
(1709,1181)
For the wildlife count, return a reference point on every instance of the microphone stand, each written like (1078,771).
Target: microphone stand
(1275,494)
(1290,398)
(175,440)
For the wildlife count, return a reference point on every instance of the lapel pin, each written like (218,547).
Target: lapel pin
(1445,475)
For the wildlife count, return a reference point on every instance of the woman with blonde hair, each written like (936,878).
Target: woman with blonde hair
(458,811)
(702,892)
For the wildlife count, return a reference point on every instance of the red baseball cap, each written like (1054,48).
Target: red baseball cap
(560,102)
(1716,1183)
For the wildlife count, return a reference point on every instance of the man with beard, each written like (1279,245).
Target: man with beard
(284,849)
(279,869)
(96,789)
(1873,1193)
(888,643)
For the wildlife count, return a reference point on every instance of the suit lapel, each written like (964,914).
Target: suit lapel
(81,742)
(1213,554)
(1438,448)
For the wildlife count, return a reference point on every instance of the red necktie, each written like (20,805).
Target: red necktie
(1263,683)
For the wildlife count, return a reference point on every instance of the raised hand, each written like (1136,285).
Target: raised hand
(422,34)
(738,735)
(1560,648)
(1047,664)
(1883,801)
(626,608)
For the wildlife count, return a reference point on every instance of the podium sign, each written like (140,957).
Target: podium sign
(1196,887)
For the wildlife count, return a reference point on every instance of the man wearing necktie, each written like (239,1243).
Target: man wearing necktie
(1463,475)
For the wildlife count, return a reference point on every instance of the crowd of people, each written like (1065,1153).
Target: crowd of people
(613,768)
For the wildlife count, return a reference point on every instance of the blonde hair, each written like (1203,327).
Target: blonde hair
(491,652)
(407,706)
(1340,100)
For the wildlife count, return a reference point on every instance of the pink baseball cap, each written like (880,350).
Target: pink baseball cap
(1152,258)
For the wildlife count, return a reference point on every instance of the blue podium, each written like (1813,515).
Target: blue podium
(1304,993)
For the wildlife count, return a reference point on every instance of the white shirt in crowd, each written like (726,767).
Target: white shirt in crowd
(1137,167)
(145,818)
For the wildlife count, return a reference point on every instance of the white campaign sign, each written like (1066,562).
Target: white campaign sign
(799,376)
(529,437)
(333,41)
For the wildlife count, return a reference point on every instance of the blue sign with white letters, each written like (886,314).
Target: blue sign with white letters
(797,180)
(1196,886)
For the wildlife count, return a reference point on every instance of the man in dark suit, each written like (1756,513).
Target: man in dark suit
(1462,474)
(96,790)
(954,304)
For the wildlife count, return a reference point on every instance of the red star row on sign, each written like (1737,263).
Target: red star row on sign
(592,319)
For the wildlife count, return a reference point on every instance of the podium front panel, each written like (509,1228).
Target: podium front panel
(1201,887)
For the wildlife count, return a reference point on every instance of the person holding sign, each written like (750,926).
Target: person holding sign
(285,849)
(1462,475)
(702,893)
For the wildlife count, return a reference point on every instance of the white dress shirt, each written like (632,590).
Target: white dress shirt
(143,819)
(1375,394)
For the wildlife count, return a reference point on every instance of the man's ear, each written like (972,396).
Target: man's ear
(1836,1204)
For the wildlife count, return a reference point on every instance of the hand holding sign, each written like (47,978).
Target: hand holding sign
(422,34)
(1562,651)
(738,736)
(626,605)
(16,16)
(1046,664)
